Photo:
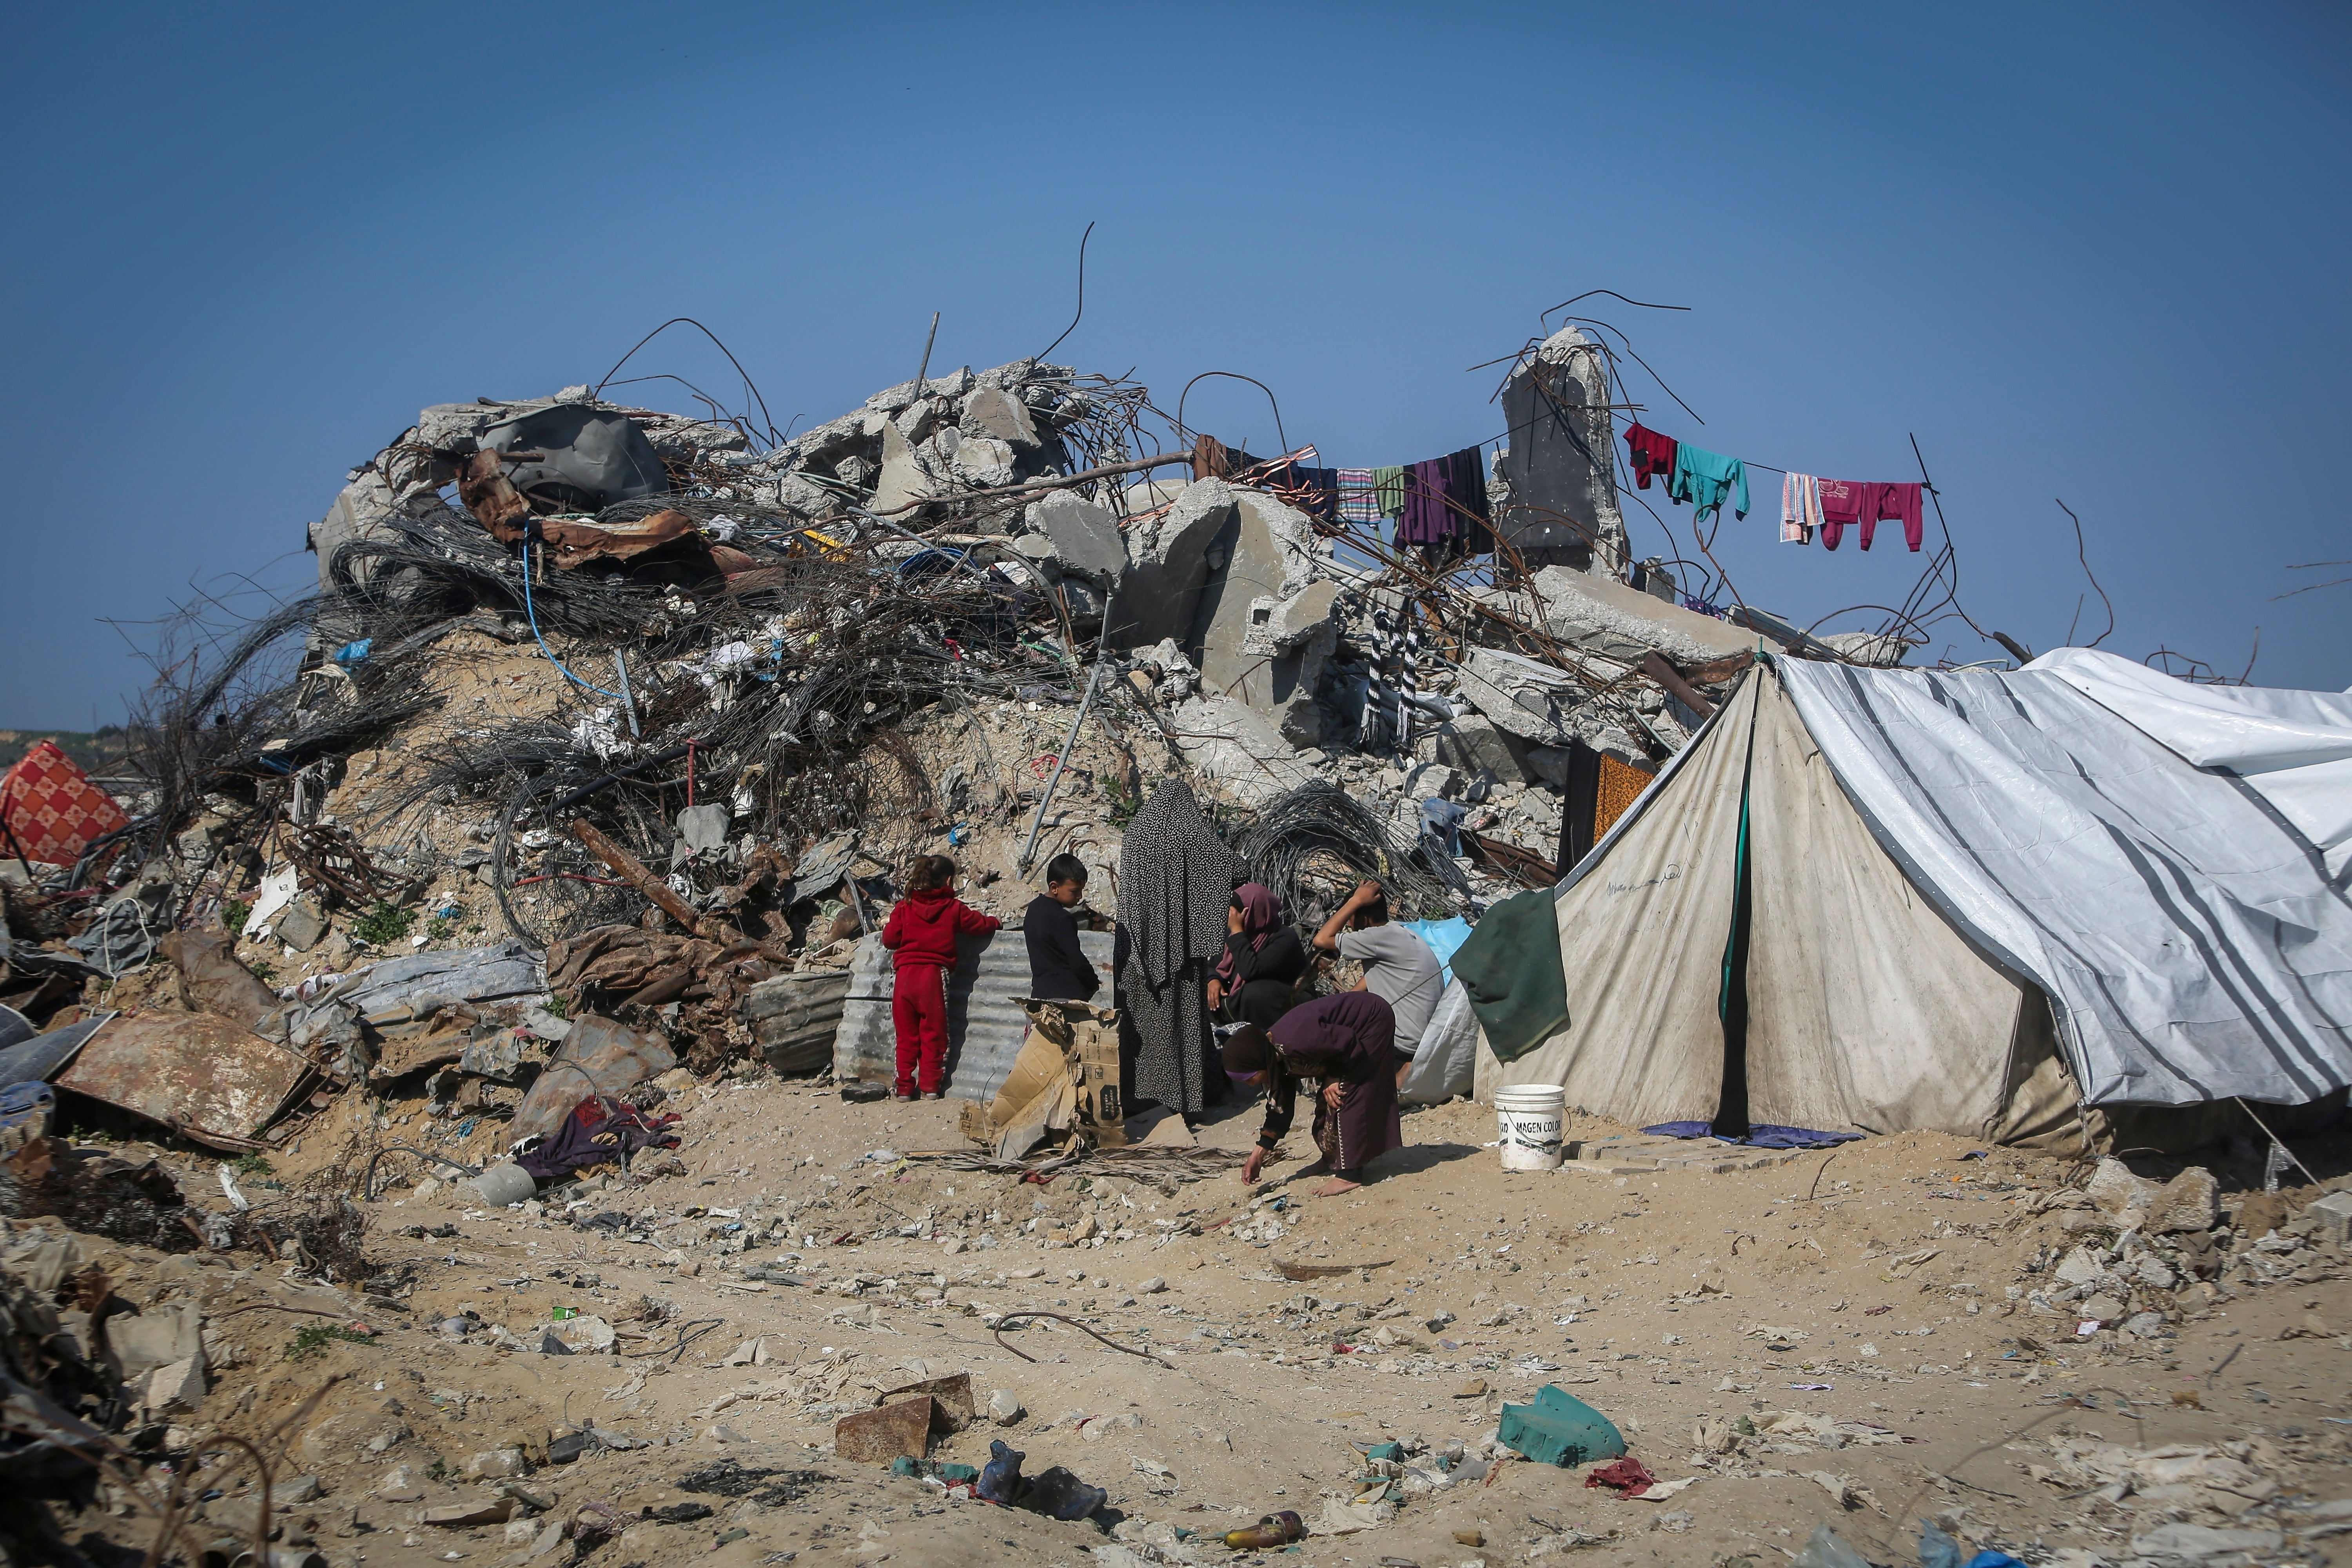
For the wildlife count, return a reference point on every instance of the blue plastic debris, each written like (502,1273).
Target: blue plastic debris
(1558,1428)
(352,653)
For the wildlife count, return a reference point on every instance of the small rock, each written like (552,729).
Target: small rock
(2191,1200)
(1004,1407)
(297,1491)
(1470,1537)
(2107,1309)
(722,1433)
(521,1532)
(400,1484)
(1151,1286)
(495,1464)
(1474,1389)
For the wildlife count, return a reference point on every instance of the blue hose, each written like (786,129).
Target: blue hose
(534,617)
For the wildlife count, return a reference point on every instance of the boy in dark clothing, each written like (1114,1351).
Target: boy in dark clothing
(922,932)
(1058,970)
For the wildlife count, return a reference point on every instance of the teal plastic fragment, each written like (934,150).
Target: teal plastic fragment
(1386,1451)
(1558,1428)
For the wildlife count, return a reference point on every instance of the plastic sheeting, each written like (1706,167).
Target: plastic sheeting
(2180,921)
(2291,748)
(1446,1061)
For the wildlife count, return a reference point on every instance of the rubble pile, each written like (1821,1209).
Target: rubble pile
(486,880)
(575,667)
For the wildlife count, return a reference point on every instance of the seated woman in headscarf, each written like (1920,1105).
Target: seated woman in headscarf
(1262,959)
(1346,1041)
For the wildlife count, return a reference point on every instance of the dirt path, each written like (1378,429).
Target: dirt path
(1850,1339)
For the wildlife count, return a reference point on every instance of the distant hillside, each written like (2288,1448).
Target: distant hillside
(96,753)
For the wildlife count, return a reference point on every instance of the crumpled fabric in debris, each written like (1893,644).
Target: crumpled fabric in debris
(598,1131)
(124,935)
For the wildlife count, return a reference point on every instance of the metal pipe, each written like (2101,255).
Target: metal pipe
(1086,700)
(628,703)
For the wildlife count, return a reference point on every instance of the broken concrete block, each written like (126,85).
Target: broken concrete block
(1878,650)
(1560,502)
(992,413)
(1602,615)
(903,479)
(2119,1195)
(1226,743)
(177,1389)
(1481,751)
(302,924)
(1167,566)
(1004,1407)
(982,460)
(952,1409)
(1530,700)
(2191,1200)
(1269,551)
(160,1338)
(2333,1212)
(1287,626)
(1086,538)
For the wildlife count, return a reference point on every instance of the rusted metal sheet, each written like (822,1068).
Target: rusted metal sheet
(878,1436)
(203,1076)
(985,1023)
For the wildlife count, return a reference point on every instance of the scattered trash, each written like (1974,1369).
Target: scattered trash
(1271,1530)
(1054,1493)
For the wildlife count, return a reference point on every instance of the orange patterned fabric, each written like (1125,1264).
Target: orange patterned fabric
(53,809)
(1619,784)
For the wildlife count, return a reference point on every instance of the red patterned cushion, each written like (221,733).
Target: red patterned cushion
(53,809)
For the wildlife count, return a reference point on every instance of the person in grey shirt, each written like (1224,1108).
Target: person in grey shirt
(1399,967)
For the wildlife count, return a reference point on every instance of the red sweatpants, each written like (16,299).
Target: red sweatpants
(919,1010)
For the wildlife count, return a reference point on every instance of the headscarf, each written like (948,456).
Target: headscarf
(1175,883)
(1247,1050)
(1261,912)
(1331,1023)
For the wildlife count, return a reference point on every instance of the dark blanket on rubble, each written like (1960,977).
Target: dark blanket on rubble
(597,1133)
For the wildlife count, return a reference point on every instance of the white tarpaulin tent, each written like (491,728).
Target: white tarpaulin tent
(1885,899)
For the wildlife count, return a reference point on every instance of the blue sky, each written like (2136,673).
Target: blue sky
(2093,253)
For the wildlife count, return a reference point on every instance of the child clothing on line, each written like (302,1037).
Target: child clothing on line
(1868,503)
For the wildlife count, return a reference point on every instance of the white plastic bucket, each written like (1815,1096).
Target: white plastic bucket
(1527,1126)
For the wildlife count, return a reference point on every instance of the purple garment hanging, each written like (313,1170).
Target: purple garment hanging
(1445,498)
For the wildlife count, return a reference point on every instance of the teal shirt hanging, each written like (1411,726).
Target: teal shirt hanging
(1705,479)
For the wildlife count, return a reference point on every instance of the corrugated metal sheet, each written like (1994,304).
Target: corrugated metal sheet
(390,991)
(796,1017)
(985,1028)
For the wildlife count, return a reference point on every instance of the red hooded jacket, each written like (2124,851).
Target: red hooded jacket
(923,929)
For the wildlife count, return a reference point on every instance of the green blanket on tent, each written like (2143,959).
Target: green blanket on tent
(1511,968)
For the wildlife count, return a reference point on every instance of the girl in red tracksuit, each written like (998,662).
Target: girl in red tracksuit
(922,932)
